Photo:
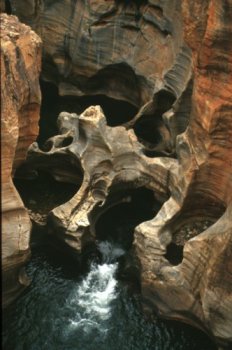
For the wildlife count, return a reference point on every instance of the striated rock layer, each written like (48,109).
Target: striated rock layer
(120,49)
(112,162)
(20,97)
(183,254)
(199,289)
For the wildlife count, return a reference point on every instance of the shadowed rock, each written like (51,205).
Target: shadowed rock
(115,48)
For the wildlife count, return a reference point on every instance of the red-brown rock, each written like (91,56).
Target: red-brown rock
(84,54)
(20,97)
(199,289)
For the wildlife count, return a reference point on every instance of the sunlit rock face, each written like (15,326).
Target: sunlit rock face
(176,145)
(20,98)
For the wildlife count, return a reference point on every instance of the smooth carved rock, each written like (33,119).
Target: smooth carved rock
(20,97)
(199,289)
(84,54)
(117,48)
(153,73)
(109,158)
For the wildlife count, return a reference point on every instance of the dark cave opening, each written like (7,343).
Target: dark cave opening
(174,253)
(150,128)
(117,222)
(116,111)
(43,193)
(8,8)
(164,100)
(193,221)
(138,3)
(147,129)
(156,153)
(67,141)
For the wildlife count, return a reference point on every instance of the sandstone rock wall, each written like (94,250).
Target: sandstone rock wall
(210,138)
(121,49)
(199,289)
(212,98)
(137,54)
(20,98)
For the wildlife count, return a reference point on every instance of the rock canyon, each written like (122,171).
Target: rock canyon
(135,124)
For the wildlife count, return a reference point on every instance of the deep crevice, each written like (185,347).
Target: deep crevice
(153,153)
(8,8)
(150,128)
(116,111)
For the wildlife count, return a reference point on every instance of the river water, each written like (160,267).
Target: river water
(62,310)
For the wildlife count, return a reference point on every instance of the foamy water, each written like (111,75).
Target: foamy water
(60,311)
(94,295)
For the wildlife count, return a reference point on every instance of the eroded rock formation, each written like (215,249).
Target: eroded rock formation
(115,166)
(20,97)
(199,288)
(130,51)
(183,254)
(121,49)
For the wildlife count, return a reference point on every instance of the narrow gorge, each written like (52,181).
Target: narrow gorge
(116,138)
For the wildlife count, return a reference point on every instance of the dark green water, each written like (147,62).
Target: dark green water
(63,311)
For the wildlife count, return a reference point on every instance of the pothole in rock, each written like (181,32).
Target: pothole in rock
(42,194)
(122,213)
(117,112)
(147,129)
(113,225)
(151,129)
(174,251)
(191,230)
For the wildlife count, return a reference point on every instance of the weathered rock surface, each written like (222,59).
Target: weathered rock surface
(199,289)
(84,53)
(115,166)
(20,97)
(128,51)
(121,49)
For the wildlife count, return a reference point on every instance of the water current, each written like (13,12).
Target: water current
(62,310)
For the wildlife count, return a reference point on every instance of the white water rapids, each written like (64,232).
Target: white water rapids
(94,295)
(63,312)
